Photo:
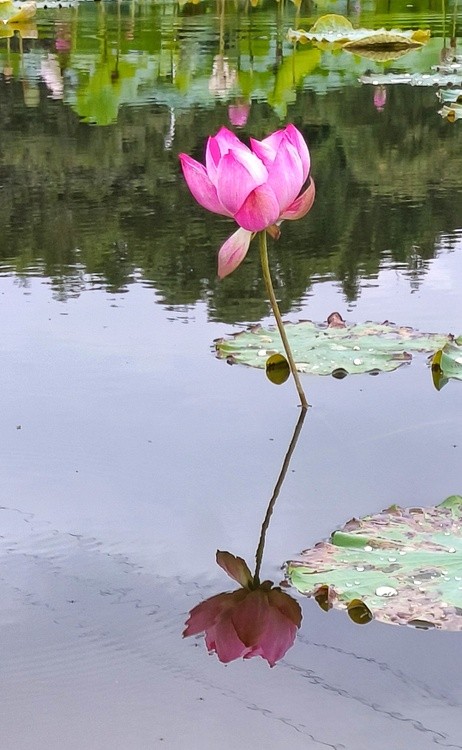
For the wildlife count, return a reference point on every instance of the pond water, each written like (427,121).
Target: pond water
(130,453)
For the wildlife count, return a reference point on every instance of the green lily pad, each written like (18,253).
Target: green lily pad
(401,566)
(447,363)
(334,348)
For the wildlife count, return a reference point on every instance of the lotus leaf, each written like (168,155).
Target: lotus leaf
(450,95)
(334,348)
(338,29)
(17,14)
(401,566)
(447,363)
(452,112)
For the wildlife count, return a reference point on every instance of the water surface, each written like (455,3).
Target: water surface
(130,453)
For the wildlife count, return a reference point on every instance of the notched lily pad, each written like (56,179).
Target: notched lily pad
(333,348)
(401,566)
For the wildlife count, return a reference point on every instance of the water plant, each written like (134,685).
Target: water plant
(259,187)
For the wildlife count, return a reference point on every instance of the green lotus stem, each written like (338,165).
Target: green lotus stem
(275,495)
(277,315)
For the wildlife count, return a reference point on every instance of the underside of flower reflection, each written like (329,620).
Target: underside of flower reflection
(258,187)
(256,620)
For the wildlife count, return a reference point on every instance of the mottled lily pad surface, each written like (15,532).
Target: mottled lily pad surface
(401,566)
(447,363)
(334,348)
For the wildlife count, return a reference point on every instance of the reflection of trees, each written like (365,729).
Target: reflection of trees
(86,204)
(386,184)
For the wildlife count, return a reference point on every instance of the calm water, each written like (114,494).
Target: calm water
(130,453)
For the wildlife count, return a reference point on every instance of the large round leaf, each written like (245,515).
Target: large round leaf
(338,349)
(401,566)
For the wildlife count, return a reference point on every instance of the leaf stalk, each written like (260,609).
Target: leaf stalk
(277,314)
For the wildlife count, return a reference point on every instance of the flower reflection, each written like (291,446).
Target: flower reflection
(63,41)
(380,97)
(238,114)
(258,619)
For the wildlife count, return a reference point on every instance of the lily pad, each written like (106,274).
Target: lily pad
(447,363)
(429,80)
(333,348)
(337,29)
(403,566)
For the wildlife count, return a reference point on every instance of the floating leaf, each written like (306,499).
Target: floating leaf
(447,363)
(412,79)
(337,30)
(401,566)
(334,348)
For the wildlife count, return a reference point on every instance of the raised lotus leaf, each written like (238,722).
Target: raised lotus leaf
(453,96)
(376,52)
(401,566)
(333,348)
(451,112)
(447,363)
(17,13)
(337,30)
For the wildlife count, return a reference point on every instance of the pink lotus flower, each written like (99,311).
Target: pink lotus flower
(256,620)
(258,187)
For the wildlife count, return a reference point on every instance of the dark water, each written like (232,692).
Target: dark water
(130,454)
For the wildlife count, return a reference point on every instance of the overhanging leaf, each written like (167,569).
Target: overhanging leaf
(404,566)
(277,369)
(452,112)
(12,14)
(334,348)
(447,363)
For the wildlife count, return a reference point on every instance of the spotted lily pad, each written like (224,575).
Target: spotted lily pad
(447,363)
(334,348)
(401,566)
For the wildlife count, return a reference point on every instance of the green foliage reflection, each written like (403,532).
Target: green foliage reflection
(103,205)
